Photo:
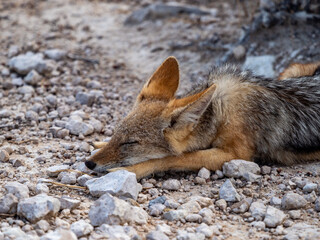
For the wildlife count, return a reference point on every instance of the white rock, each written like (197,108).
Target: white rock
(32,78)
(15,233)
(156,235)
(156,209)
(171,184)
(55,170)
(85,98)
(193,218)
(302,231)
(68,203)
(121,183)
(19,190)
(67,177)
(38,207)
(221,204)
(24,63)
(82,180)
(273,217)
(309,187)
(8,204)
(42,188)
(4,156)
(228,192)
(59,234)
(43,225)
(207,215)
(293,201)
(112,210)
(81,228)
(205,229)
(55,54)
(294,214)
(97,125)
(164,228)
(204,173)
(183,235)
(239,168)
(78,127)
(26,90)
(191,206)
(175,215)
(275,201)
(258,224)
(260,65)
(117,232)
(258,210)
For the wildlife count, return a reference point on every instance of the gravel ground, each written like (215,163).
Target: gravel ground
(70,70)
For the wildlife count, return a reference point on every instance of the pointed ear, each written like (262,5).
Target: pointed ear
(192,108)
(164,82)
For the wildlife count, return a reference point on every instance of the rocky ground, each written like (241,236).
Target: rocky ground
(70,70)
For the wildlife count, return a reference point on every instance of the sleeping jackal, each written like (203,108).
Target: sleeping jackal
(235,115)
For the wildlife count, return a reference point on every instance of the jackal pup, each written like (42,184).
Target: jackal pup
(236,115)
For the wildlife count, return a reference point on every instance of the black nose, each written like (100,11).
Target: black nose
(91,165)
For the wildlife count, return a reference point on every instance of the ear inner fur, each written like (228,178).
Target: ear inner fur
(164,83)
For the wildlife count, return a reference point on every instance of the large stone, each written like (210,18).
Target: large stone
(8,204)
(171,184)
(121,183)
(106,231)
(309,187)
(38,207)
(175,215)
(85,98)
(239,168)
(293,201)
(4,156)
(81,228)
(78,127)
(59,234)
(273,217)
(19,190)
(191,206)
(24,63)
(156,235)
(204,173)
(228,192)
(183,234)
(112,210)
(260,65)
(258,210)
(69,203)
(302,231)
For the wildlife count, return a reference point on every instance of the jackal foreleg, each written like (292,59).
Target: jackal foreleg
(212,159)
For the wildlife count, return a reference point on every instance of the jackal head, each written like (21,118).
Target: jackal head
(158,126)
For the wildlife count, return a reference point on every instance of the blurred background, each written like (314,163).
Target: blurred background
(118,44)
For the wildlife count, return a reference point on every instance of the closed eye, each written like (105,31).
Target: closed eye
(129,143)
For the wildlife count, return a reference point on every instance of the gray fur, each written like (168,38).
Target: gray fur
(282,116)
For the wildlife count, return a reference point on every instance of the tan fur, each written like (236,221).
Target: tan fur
(299,70)
(206,129)
(163,83)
